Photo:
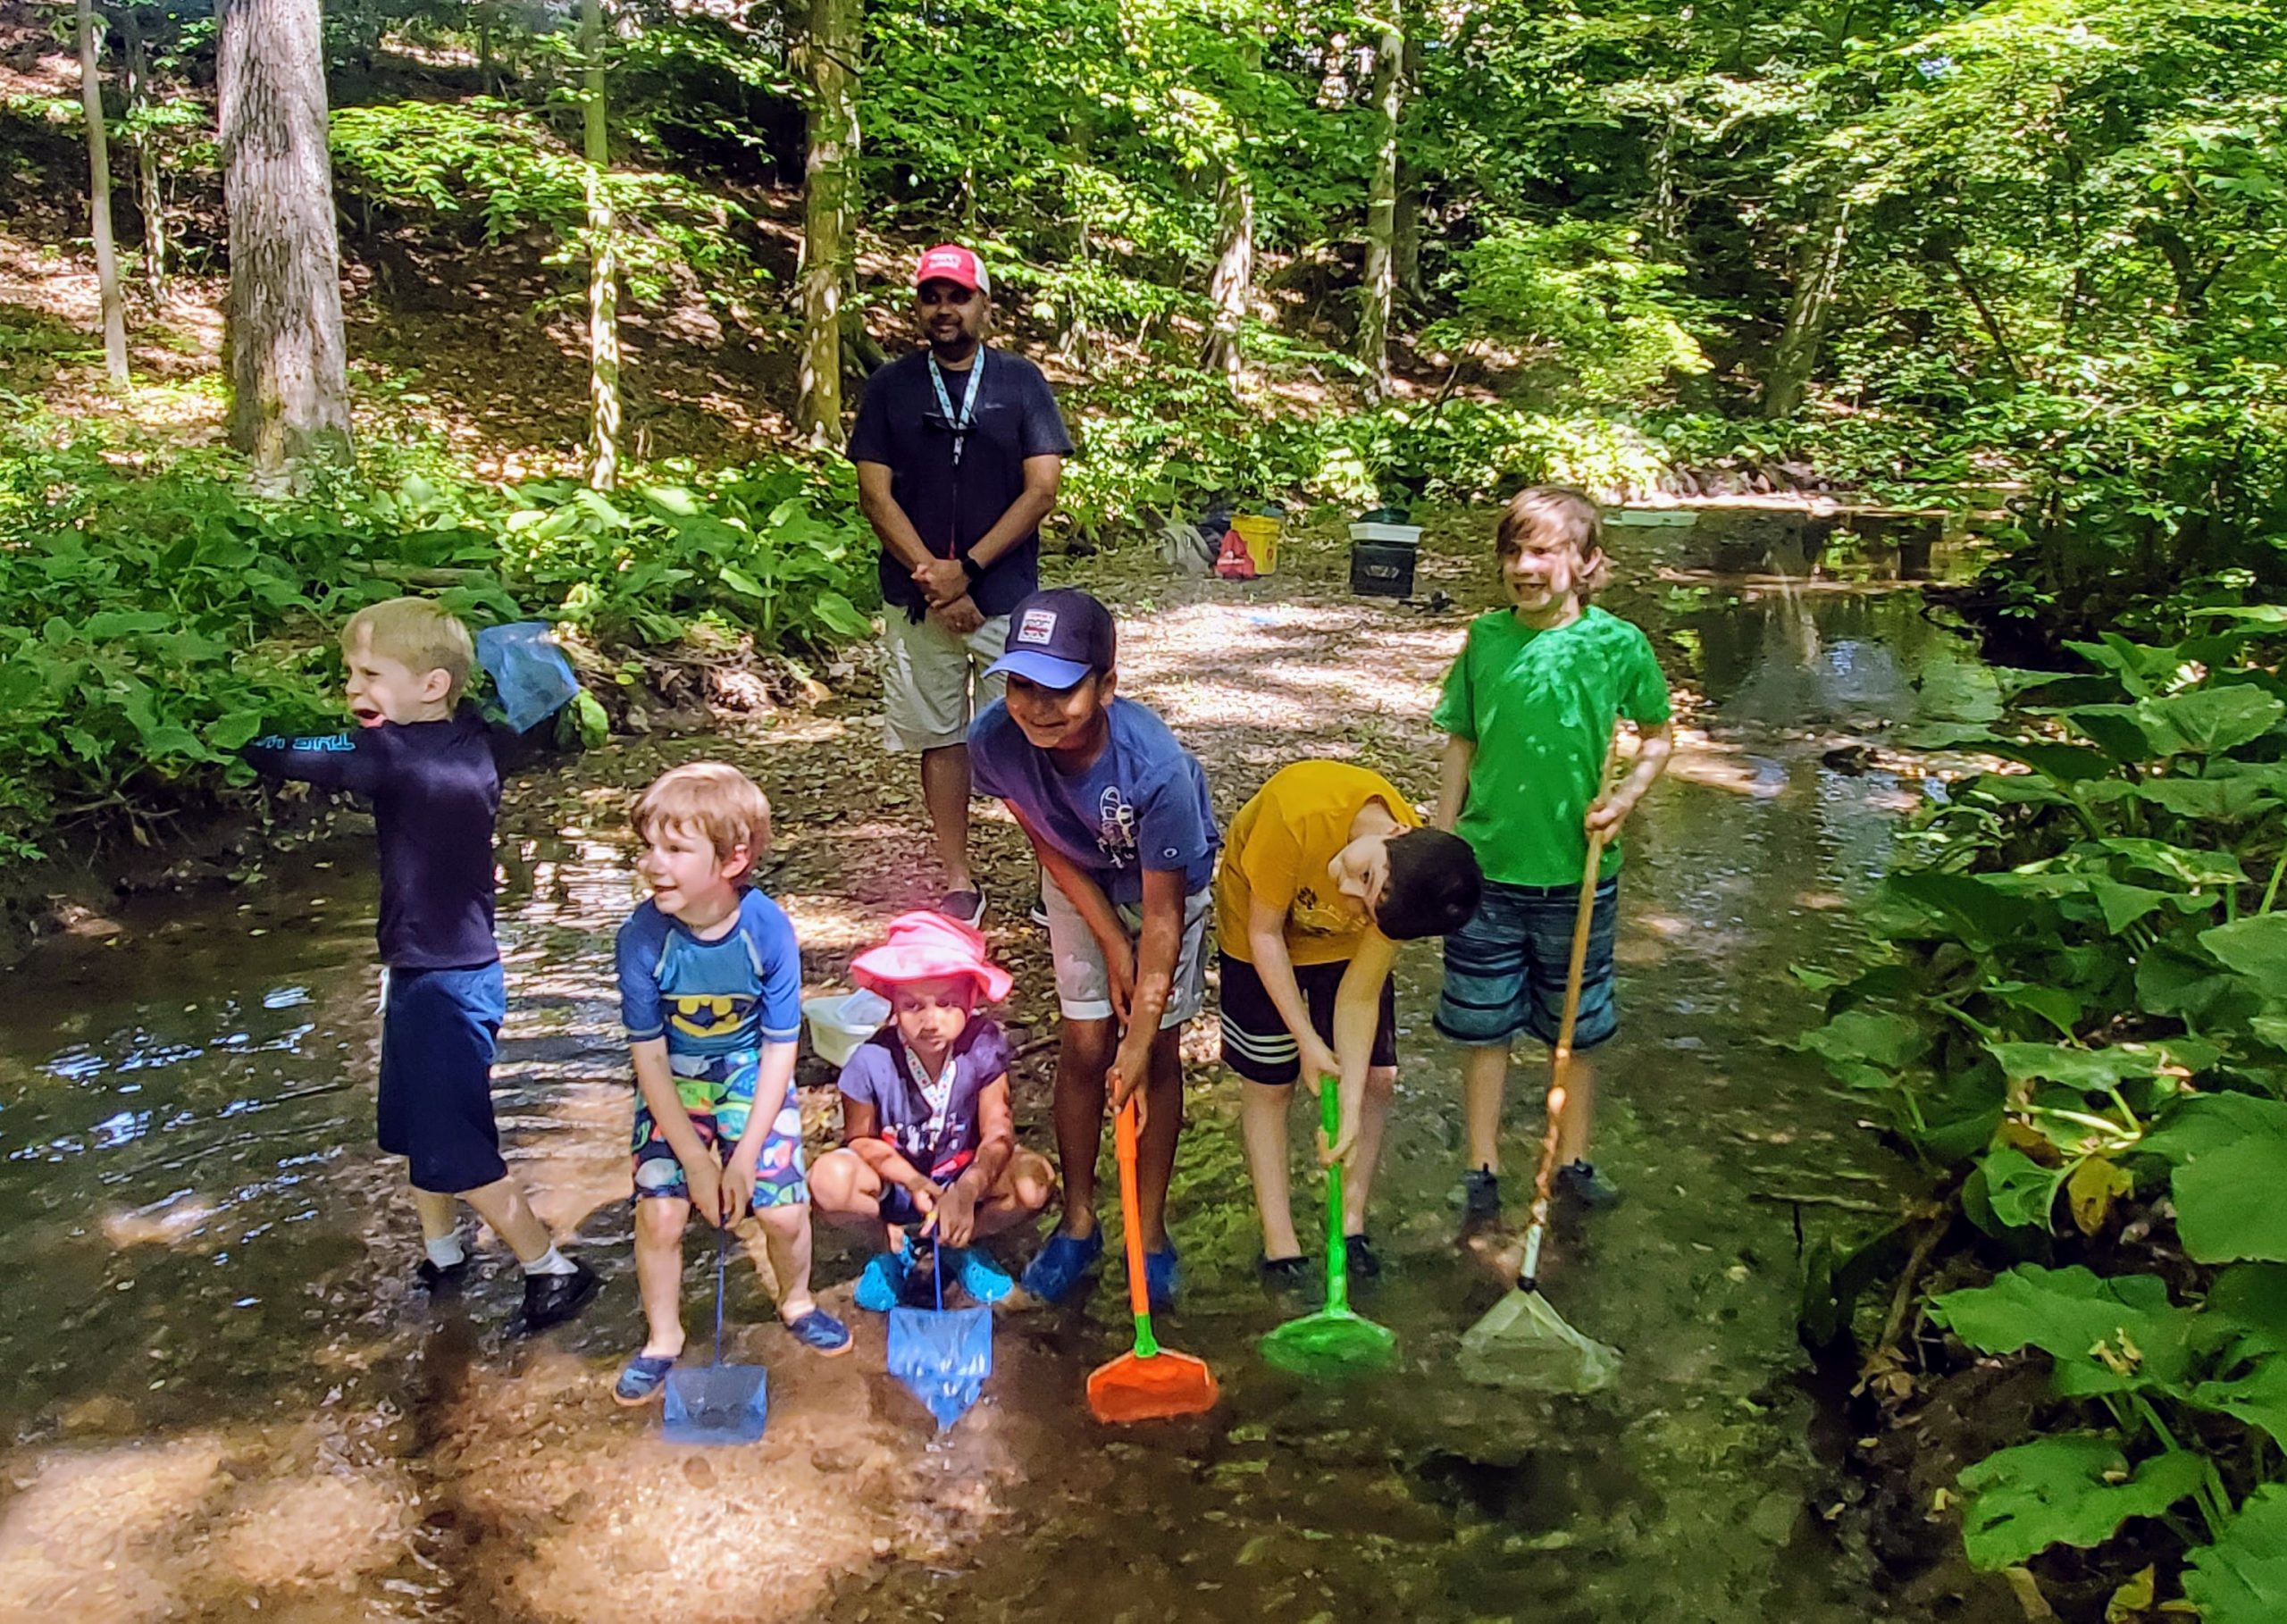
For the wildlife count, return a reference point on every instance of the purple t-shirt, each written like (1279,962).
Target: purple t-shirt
(879,1075)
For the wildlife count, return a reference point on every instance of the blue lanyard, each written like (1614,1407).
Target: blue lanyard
(961,424)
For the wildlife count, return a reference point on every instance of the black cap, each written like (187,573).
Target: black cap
(1058,637)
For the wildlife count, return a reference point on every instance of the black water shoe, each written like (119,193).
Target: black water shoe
(1582,1182)
(1365,1262)
(1480,1199)
(442,1280)
(551,1300)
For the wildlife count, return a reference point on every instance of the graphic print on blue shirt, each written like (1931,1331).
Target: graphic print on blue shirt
(738,993)
(1141,805)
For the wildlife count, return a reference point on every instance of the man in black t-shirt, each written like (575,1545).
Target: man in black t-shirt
(959,449)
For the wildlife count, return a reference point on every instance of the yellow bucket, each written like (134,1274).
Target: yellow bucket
(1260,534)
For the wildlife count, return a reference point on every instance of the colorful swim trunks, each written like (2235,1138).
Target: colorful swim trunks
(717,1094)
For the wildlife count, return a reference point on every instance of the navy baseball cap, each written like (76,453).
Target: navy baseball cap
(1058,637)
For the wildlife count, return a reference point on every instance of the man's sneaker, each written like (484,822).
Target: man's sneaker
(1061,1265)
(1039,914)
(883,1283)
(1582,1182)
(1162,1276)
(1365,1262)
(966,906)
(550,1300)
(1481,1198)
(977,1275)
(821,1333)
(442,1280)
(641,1378)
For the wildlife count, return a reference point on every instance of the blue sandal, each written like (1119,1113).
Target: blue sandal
(977,1275)
(821,1333)
(641,1381)
(1060,1265)
(883,1283)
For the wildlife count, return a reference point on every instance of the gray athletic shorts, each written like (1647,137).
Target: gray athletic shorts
(1083,987)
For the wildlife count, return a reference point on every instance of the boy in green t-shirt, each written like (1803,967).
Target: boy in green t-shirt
(1530,706)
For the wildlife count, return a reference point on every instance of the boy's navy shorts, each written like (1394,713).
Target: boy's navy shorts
(1504,969)
(1256,1043)
(438,1030)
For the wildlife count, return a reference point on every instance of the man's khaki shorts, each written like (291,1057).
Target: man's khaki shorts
(933,682)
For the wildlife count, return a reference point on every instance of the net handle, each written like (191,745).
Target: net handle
(1139,1299)
(1560,1054)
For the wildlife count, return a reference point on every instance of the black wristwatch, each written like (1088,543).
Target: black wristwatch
(971,568)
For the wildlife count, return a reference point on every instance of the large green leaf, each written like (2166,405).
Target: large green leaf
(2209,720)
(2072,1490)
(2253,1296)
(2256,948)
(2258,1398)
(2090,1069)
(2224,800)
(2229,1157)
(2104,1335)
(2242,1577)
(1969,906)
(2183,864)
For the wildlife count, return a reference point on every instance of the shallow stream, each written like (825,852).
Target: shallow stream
(219,1390)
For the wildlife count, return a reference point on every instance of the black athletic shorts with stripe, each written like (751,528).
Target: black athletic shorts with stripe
(1256,1043)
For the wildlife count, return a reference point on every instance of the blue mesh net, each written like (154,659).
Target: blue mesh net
(530,677)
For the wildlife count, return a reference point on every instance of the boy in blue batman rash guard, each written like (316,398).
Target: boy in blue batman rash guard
(426,762)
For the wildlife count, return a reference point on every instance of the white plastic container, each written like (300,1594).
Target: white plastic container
(842,1021)
(1404,535)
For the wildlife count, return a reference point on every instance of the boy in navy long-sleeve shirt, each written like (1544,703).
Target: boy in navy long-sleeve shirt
(426,762)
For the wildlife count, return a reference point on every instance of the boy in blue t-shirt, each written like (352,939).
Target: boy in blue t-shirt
(1118,812)
(711,988)
(426,761)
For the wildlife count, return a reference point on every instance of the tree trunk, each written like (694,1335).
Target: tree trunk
(603,262)
(829,64)
(1405,244)
(1233,280)
(1818,266)
(484,74)
(284,355)
(91,99)
(1381,207)
(152,200)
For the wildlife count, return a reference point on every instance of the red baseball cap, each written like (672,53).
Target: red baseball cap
(950,262)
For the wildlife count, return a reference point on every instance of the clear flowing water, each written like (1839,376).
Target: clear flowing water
(219,1388)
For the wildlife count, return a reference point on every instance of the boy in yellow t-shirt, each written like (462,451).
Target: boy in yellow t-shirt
(1325,871)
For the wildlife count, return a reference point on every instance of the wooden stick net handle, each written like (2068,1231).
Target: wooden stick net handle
(1560,1059)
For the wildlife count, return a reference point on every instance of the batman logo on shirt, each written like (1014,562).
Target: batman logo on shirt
(708,1014)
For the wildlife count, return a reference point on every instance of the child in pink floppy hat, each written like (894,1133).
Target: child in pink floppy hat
(928,1142)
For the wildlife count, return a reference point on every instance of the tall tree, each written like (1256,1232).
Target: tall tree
(603,261)
(152,200)
(284,353)
(1375,297)
(1233,279)
(91,100)
(829,62)
(1817,273)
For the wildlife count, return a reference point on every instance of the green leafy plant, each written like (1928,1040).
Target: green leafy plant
(2087,1007)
